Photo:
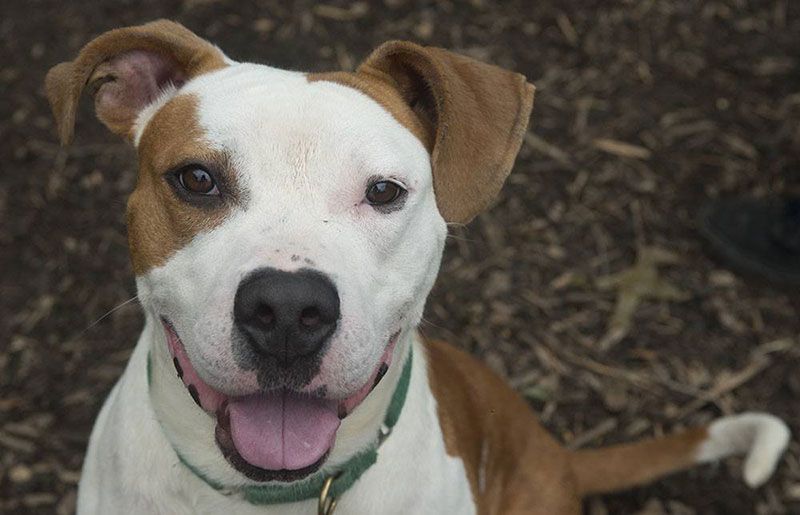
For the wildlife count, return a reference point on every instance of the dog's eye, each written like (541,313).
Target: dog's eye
(195,179)
(382,193)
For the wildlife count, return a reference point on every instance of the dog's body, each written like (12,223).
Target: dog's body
(283,300)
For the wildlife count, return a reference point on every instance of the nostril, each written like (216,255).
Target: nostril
(265,314)
(310,317)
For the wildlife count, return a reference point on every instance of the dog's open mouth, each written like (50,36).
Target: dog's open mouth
(279,435)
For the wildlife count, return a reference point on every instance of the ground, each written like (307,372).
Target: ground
(586,285)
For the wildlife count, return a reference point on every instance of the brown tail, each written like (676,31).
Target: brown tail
(762,437)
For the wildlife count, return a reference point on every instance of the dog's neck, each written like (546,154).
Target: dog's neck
(191,431)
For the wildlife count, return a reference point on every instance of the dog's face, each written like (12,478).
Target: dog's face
(311,186)
(286,228)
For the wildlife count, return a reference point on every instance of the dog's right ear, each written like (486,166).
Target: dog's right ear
(126,69)
(477,115)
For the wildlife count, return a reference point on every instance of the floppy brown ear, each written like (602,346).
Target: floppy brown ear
(126,69)
(478,114)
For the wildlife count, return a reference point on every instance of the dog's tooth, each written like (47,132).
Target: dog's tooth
(194,394)
(178,368)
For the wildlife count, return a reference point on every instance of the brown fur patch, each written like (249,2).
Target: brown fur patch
(618,467)
(514,467)
(159,222)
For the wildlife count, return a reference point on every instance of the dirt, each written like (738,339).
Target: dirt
(644,110)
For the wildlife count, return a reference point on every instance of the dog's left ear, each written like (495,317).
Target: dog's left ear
(477,114)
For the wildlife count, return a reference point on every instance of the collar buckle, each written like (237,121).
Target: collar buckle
(327,502)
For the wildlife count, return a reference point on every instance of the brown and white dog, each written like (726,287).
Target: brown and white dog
(285,231)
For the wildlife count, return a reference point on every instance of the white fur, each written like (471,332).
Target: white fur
(761,437)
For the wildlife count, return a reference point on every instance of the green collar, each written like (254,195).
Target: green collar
(346,475)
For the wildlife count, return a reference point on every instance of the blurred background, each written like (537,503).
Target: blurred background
(587,286)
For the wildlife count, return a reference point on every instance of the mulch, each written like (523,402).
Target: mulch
(587,285)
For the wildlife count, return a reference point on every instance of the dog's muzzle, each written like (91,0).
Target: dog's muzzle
(285,321)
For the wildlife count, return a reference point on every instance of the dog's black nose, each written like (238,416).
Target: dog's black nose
(286,315)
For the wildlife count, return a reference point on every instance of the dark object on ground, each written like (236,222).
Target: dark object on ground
(759,237)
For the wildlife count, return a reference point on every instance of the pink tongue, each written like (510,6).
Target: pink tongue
(282,430)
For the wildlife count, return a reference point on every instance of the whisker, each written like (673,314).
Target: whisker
(428,322)
(103,317)
(463,238)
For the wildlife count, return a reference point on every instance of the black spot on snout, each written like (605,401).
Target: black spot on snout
(178,368)
(194,394)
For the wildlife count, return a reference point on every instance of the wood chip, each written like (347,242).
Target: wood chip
(543,147)
(355,11)
(16,444)
(622,149)
(597,432)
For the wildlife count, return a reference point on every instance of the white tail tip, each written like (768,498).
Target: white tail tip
(761,437)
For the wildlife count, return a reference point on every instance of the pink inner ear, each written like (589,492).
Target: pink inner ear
(133,80)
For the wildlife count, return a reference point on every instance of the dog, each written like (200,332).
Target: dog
(285,230)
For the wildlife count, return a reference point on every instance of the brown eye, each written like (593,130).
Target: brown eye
(382,193)
(197,180)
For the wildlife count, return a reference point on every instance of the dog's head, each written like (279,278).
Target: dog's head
(286,228)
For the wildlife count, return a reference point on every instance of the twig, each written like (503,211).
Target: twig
(724,386)
(593,434)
